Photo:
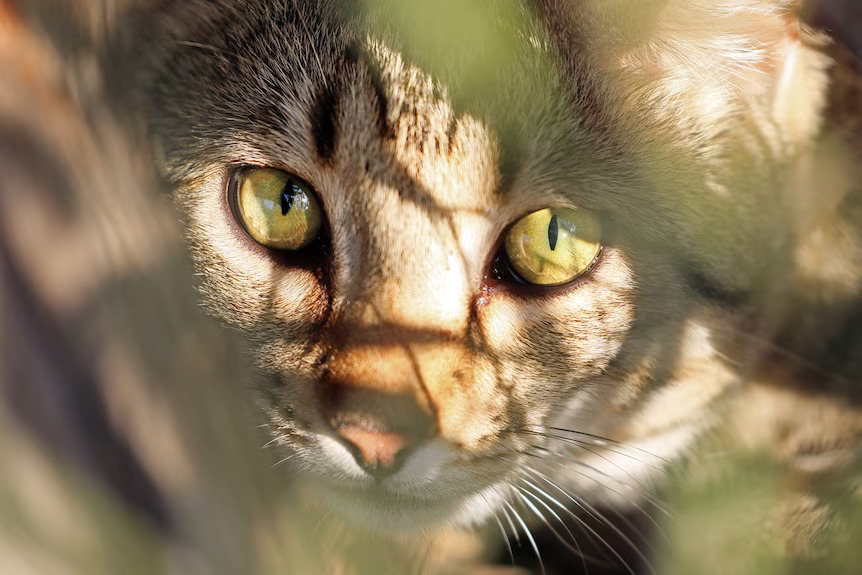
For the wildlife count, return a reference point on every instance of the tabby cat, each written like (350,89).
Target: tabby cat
(519,265)
(503,261)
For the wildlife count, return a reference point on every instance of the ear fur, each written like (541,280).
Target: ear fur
(703,63)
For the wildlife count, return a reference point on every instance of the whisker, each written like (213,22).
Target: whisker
(583,445)
(645,493)
(529,535)
(577,548)
(524,479)
(652,500)
(545,478)
(519,491)
(584,527)
(505,538)
(787,354)
(500,525)
(512,526)
(283,460)
(596,514)
(270,442)
(601,441)
(323,519)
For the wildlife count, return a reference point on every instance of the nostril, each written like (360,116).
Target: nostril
(378,452)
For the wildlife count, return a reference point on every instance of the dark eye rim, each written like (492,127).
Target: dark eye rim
(501,273)
(311,256)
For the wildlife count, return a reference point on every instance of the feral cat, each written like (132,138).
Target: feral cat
(509,259)
(519,255)
(514,264)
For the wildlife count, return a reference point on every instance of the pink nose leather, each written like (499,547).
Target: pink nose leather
(378,450)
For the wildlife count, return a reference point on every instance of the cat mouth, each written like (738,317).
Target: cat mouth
(403,506)
(435,484)
(385,508)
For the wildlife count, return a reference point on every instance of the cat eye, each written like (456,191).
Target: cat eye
(553,246)
(277,209)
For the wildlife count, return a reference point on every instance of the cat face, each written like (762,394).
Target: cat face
(416,377)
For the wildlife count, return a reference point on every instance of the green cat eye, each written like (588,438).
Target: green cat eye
(553,246)
(277,209)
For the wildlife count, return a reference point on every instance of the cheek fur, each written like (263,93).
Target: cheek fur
(576,331)
(251,289)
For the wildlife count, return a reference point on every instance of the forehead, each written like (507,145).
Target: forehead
(290,87)
(393,122)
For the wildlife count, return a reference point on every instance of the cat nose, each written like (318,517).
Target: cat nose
(379,429)
(379,453)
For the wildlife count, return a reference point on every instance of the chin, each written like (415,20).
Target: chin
(376,508)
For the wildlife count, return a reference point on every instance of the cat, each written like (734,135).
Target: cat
(505,262)
(427,367)
(430,364)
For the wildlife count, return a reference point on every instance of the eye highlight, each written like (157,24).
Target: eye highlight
(277,209)
(553,246)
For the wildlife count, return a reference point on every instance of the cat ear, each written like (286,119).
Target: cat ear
(705,62)
(716,60)
(797,76)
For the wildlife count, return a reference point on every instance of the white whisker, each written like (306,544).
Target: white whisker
(323,519)
(511,523)
(582,525)
(276,464)
(576,549)
(642,493)
(596,514)
(603,441)
(529,535)
(502,528)
(270,442)
(583,445)
(632,502)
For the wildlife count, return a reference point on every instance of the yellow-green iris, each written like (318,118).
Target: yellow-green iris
(277,209)
(553,246)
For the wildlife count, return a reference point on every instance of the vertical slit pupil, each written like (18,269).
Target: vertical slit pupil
(553,231)
(287,198)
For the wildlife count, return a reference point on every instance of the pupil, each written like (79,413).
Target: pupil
(553,230)
(287,198)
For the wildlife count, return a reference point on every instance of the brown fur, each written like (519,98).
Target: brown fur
(721,315)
